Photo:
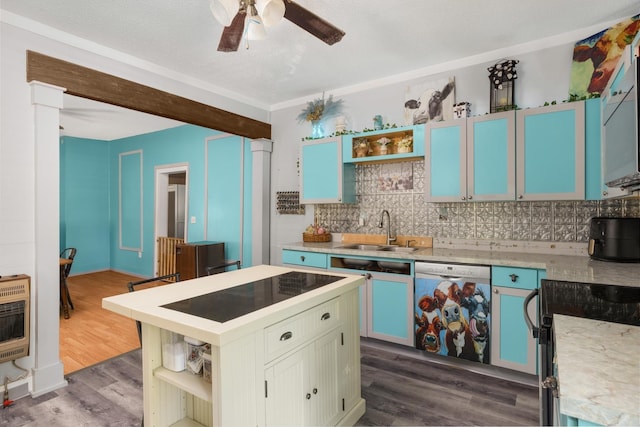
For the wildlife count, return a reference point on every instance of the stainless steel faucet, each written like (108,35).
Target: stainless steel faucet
(381,224)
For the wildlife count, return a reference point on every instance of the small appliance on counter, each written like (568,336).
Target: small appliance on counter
(614,239)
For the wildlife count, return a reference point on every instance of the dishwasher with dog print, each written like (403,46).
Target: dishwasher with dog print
(452,303)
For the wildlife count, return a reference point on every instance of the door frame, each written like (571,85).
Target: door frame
(161,199)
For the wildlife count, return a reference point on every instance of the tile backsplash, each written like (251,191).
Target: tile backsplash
(546,221)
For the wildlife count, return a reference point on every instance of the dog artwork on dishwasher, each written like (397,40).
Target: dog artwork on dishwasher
(452,319)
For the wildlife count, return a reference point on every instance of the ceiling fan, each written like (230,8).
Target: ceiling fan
(247,18)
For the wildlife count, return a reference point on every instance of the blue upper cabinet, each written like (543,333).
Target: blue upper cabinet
(324,178)
(445,161)
(400,143)
(471,159)
(491,145)
(550,154)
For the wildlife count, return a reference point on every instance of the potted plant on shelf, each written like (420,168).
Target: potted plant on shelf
(383,143)
(405,145)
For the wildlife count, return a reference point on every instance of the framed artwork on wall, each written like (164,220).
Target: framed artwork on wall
(429,101)
(595,57)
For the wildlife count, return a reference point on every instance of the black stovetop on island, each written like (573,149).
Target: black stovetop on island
(230,303)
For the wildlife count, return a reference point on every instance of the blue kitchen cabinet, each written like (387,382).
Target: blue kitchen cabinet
(386,299)
(445,161)
(471,159)
(315,260)
(404,143)
(512,344)
(324,178)
(390,310)
(550,152)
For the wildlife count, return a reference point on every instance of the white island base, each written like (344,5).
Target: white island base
(295,362)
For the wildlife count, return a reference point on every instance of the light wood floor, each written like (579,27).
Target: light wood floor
(92,334)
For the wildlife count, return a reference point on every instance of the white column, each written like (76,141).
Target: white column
(48,371)
(260,239)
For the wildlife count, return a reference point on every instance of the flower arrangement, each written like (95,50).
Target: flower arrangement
(404,145)
(319,109)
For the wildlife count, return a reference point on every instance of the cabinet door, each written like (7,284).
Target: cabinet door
(491,157)
(595,188)
(304,387)
(512,345)
(325,393)
(390,308)
(445,161)
(304,259)
(323,176)
(286,387)
(550,152)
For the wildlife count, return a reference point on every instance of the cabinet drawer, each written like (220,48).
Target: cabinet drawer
(308,259)
(294,331)
(515,277)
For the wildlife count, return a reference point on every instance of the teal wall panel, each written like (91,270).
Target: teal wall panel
(130,200)
(225,193)
(179,145)
(84,202)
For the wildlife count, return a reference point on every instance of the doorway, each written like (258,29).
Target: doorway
(171,205)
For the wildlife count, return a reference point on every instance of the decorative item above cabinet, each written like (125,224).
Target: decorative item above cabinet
(398,143)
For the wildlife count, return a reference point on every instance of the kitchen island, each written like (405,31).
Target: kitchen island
(284,348)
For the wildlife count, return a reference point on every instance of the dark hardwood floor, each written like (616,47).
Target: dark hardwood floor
(401,386)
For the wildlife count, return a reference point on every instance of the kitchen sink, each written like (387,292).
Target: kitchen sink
(390,248)
(398,249)
(363,247)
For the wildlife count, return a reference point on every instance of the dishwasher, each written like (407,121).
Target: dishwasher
(452,310)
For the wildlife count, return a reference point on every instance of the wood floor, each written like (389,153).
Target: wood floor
(92,334)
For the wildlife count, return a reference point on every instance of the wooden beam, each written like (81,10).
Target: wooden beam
(98,86)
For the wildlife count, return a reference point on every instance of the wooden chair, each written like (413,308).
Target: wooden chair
(70,254)
(132,287)
(212,269)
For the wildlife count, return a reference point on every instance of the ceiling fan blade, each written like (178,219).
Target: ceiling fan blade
(231,35)
(312,23)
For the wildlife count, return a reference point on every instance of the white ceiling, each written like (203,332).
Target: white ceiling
(383,38)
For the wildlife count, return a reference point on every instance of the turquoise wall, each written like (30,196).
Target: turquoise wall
(84,202)
(97,177)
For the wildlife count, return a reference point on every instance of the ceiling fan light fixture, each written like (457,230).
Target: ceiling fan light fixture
(224,10)
(254,27)
(271,11)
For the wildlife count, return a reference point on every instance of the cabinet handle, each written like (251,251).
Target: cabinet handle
(367,276)
(302,258)
(496,291)
(325,316)
(286,336)
(308,396)
(514,277)
(605,193)
(463,198)
(520,197)
(469,197)
(315,391)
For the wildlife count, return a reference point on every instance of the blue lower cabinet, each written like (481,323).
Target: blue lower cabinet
(304,259)
(512,344)
(390,309)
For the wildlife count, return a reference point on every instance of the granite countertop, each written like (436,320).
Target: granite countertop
(598,370)
(558,266)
